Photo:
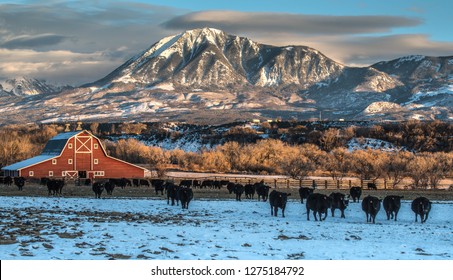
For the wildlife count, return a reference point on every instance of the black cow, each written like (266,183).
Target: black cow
(144,182)
(230,187)
(109,186)
(371,186)
(421,206)
(8,181)
(207,184)
(185,195)
(392,204)
(371,205)
(249,191)
(172,193)
(278,200)
(339,201)
(122,182)
(158,185)
(262,191)
(54,186)
(304,193)
(355,193)
(318,203)
(98,188)
(238,191)
(196,183)
(19,182)
(186,183)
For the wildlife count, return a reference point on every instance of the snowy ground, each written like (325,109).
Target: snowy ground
(49,228)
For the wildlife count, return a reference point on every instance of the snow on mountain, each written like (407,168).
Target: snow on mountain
(23,86)
(381,107)
(208,75)
(211,58)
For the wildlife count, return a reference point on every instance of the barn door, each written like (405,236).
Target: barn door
(83,153)
(83,144)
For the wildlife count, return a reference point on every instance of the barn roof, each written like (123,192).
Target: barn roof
(56,145)
(28,162)
(52,149)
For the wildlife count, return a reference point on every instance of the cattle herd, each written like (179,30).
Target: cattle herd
(317,203)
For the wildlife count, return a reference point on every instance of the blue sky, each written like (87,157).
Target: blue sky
(81,41)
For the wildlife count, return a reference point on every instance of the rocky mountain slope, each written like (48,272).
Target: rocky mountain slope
(206,75)
(24,86)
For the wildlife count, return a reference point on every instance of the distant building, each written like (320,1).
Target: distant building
(76,154)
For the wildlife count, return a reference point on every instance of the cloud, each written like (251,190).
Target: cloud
(294,23)
(76,42)
(56,66)
(33,41)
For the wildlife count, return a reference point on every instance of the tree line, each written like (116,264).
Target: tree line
(323,154)
(271,156)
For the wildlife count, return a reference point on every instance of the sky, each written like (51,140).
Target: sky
(80,41)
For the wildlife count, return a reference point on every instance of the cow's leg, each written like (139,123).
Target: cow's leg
(342,214)
(426,217)
(308,214)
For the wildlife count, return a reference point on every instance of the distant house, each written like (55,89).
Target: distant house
(76,154)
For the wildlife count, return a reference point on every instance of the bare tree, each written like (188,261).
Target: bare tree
(338,163)
(395,167)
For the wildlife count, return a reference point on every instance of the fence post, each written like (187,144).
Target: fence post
(275,183)
(361,183)
(385,183)
(287,183)
(325,184)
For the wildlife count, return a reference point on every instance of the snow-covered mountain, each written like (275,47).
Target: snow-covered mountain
(209,59)
(24,86)
(207,75)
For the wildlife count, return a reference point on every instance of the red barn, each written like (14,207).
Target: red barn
(76,154)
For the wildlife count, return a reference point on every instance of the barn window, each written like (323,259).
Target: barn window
(95,146)
(96,161)
(98,173)
(70,146)
(54,161)
(31,173)
(50,173)
(70,161)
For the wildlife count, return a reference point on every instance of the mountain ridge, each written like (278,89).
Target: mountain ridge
(208,75)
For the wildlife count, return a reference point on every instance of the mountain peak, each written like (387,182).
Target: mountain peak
(209,58)
(25,86)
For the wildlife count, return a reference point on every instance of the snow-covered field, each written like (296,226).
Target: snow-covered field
(49,228)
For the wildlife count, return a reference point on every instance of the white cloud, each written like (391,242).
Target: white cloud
(56,66)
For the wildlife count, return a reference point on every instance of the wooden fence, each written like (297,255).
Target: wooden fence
(319,183)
